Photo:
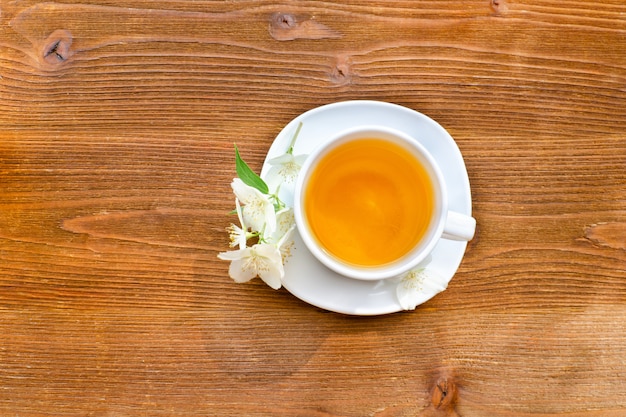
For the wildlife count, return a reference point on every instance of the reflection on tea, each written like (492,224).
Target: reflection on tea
(369,202)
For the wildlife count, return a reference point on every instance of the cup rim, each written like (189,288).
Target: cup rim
(406,262)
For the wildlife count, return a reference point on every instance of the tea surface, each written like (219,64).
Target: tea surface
(369,202)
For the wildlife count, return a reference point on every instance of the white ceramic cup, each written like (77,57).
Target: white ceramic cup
(443,223)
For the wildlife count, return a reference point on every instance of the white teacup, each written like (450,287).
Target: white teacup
(371,203)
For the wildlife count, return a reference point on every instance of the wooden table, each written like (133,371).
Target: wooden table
(117,124)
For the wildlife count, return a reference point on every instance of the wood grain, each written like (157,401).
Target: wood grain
(117,124)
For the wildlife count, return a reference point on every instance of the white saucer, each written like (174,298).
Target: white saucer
(305,277)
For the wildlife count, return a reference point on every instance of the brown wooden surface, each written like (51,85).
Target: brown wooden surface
(117,124)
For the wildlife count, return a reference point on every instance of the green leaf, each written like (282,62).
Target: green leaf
(248,176)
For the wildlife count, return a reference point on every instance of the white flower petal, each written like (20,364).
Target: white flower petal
(284,239)
(240,269)
(242,191)
(273,179)
(418,285)
(286,244)
(238,236)
(284,221)
(232,255)
(273,276)
(281,160)
(242,238)
(270,217)
(409,289)
(261,260)
(239,213)
(299,159)
(284,170)
(258,211)
(270,265)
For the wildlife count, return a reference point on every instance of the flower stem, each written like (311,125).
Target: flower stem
(293,139)
(278,203)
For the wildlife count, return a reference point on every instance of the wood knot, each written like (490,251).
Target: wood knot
(57,47)
(284,20)
(287,27)
(609,235)
(499,6)
(341,70)
(443,398)
(444,394)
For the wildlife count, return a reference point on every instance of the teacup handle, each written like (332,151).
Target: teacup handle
(459,227)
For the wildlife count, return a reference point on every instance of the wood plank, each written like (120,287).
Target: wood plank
(117,125)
